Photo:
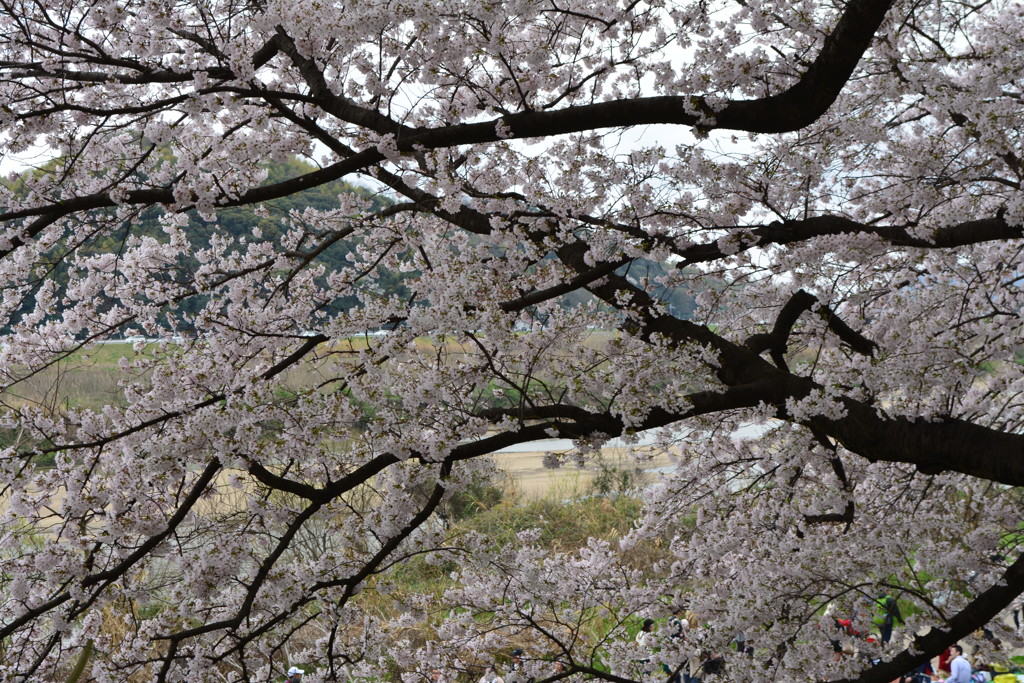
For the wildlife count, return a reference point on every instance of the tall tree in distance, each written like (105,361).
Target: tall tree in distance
(843,177)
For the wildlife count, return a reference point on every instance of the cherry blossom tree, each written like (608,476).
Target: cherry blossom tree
(839,182)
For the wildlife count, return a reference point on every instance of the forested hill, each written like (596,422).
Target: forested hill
(238,222)
(270,217)
(272,220)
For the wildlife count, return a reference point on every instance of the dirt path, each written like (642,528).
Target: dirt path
(529,476)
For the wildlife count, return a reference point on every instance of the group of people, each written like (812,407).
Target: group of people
(707,666)
(884,613)
(953,666)
(953,663)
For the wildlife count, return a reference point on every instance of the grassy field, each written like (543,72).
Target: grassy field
(85,379)
(91,377)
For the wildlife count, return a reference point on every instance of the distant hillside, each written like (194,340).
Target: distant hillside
(236,222)
(271,218)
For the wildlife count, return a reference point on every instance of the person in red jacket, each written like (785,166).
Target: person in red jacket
(944,662)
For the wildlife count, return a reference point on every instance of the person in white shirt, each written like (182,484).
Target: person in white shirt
(491,676)
(643,637)
(959,667)
(644,634)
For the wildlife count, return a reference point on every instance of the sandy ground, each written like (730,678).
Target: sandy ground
(528,476)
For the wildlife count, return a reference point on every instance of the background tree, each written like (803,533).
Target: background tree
(843,179)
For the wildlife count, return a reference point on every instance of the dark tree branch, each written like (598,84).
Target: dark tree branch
(791,232)
(933,446)
(776,342)
(337,106)
(844,517)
